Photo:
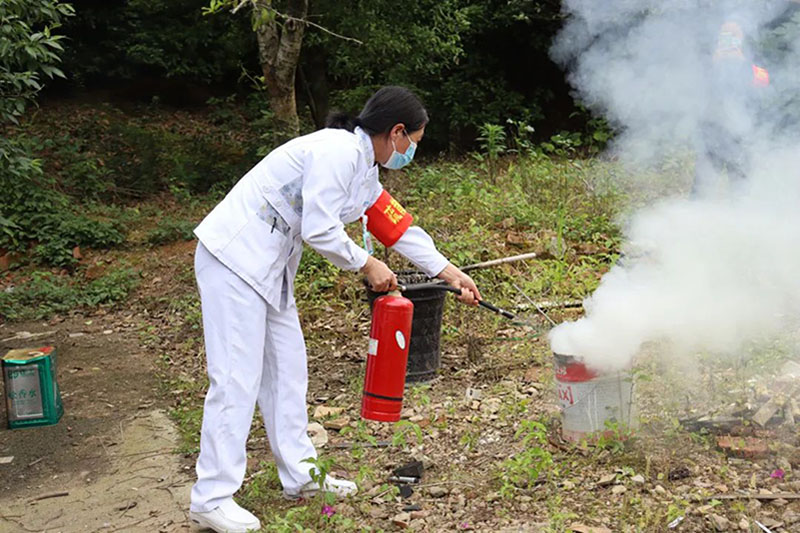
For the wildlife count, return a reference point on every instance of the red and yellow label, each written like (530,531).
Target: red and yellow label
(760,76)
(387,220)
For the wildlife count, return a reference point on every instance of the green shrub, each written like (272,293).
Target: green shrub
(46,293)
(169,230)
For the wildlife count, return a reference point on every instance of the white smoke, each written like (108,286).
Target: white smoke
(721,268)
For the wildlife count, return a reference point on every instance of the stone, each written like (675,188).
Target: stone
(491,405)
(744,524)
(607,479)
(720,523)
(401,520)
(437,491)
(318,434)
(416,515)
(638,479)
(771,523)
(336,423)
(780,502)
(619,489)
(568,485)
(790,517)
(323,411)
(661,491)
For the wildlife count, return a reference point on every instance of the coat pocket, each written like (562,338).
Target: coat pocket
(258,253)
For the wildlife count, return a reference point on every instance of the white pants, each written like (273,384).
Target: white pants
(254,354)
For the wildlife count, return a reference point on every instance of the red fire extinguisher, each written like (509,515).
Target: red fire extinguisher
(387,357)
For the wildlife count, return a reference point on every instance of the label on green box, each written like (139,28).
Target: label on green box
(24,393)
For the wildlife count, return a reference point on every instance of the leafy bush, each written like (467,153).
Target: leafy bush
(46,294)
(169,230)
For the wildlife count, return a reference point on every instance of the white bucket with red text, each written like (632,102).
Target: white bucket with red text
(592,402)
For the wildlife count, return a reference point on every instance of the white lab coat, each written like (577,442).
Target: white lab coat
(317,183)
(249,251)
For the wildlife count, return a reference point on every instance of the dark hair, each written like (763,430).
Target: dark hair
(388,106)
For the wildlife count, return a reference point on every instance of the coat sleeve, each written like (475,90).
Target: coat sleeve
(329,173)
(418,247)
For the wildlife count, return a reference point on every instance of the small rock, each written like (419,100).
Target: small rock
(417,525)
(744,524)
(6,460)
(76,335)
(415,515)
(319,437)
(323,411)
(619,489)
(780,502)
(638,479)
(401,520)
(720,523)
(407,413)
(108,331)
(491,405)
(790,517)
(336,423)
(661,491)
(378,512)
(568,485)
(416,418)
(437,491)
(770,523)
(607,479)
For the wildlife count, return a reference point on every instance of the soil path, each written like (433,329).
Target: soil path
(109,464)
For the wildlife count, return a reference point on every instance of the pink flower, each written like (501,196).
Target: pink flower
(328,511)
(778,474)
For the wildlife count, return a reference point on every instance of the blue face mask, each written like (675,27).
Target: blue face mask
(397,160)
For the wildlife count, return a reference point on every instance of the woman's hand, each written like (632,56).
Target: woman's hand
(469,291)
(380,277)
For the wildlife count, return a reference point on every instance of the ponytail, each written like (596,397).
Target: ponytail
(341,121)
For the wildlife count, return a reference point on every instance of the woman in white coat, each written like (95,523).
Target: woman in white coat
(246,261)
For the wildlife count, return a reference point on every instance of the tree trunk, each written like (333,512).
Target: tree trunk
(278,52)
(314,66)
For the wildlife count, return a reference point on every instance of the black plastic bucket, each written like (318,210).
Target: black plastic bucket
(424,355)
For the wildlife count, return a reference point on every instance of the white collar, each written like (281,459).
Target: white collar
(366,144)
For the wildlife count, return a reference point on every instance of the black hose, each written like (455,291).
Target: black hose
(449,288)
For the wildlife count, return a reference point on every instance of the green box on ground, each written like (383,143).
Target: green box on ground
(32,394)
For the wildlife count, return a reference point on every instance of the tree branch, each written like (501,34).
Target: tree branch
(255,3)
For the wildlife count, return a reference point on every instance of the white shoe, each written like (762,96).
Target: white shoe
(338,487)
(227,518)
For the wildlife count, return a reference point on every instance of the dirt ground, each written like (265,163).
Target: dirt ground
(110,463)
